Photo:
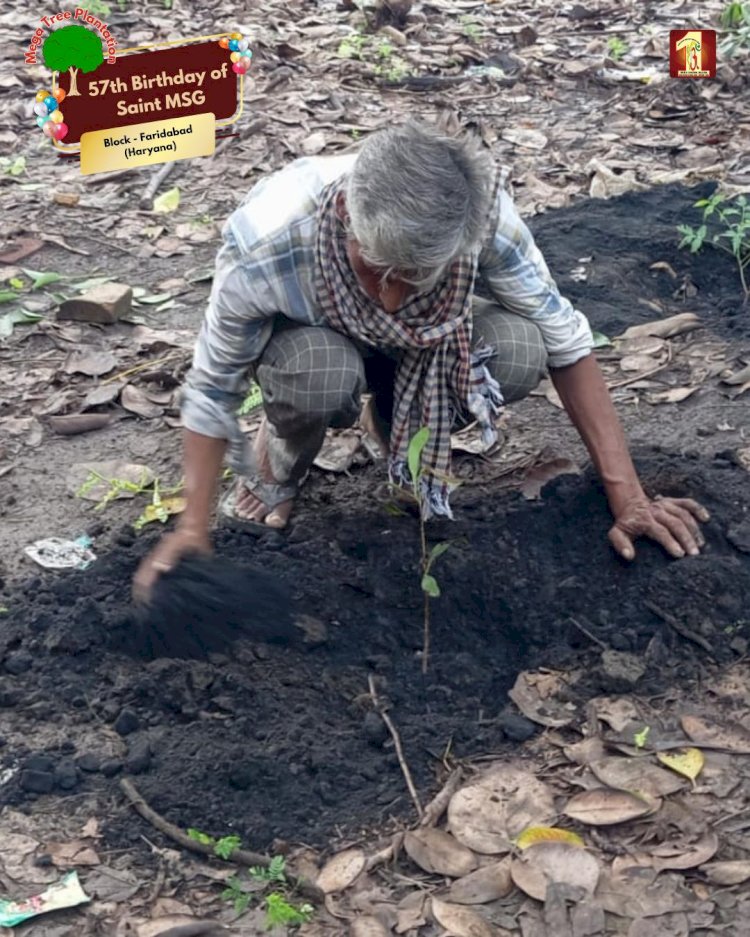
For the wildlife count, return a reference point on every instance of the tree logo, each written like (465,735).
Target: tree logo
(72,48)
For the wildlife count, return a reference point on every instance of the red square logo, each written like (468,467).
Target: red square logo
(692,53)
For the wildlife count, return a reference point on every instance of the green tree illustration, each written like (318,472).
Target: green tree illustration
(71,48)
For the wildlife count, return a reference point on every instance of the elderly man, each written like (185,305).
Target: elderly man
(347,273)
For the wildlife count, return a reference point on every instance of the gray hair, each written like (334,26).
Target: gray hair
(417,199)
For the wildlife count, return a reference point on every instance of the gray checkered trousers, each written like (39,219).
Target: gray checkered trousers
(313,378)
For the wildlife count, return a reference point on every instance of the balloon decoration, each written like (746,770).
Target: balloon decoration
(240,54)
(49,117)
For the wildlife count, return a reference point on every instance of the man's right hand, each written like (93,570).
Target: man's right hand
(167,554)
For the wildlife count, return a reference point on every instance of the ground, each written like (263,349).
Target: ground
(280,743)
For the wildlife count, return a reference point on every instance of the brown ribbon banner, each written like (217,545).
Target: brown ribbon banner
(151,85)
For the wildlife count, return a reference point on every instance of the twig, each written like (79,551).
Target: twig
(589,635)
(140,367)
(679,627)
(377,703)
(243,857)
(439,803)
(147,199)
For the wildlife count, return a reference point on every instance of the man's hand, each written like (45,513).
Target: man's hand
(672,522)
(167,554)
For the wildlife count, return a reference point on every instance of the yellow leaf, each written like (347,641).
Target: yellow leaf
(547,834)
(168,201)
(687,762)
(160,511)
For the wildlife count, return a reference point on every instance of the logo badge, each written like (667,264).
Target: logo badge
(692,53)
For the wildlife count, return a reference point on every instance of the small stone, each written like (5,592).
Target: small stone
(89,762)
(105,304)
(66,776)
(37,782)
(44,861)
(313,631)
(126,722)
(620,671)
(516,728)
(18,662)
(111,767)
(738,535)
(40,762)
(139,757)
(375,730)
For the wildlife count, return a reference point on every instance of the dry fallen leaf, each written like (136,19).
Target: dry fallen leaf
(604,807)
(731,737)
(619,714)
(70,854)
(671,395)
(136,400)
(534,694)
(554,863)
(179,925)
(486,884)
(548,834)
(526,137)
(665,328)
(341,871)
(437,851)
(637,893)
(638,775)
(489,813)
(683,854)
(89,480)
(731,872)
(75,424)
(537,477)
(101,395)
(91,362)
(459,921)
(666,925)
(687,762)
(368,927)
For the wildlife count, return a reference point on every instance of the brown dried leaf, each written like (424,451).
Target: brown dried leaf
(460,922)
(486,884)
(684,854)
(526,137)
(76,852)
(341,871)
(136,401)
(731,737)
(537,477)
(489,813)
(619,714)
(534,694)
(638,775)
(554,863)
(641,345)
(731,872)
(368,927)
(666,925)
(90,361)
(637,893)
(180,925)
(671,395)
(637,363)
(665,328)
(76,423)
(101,395)
(437,851)
(605,807)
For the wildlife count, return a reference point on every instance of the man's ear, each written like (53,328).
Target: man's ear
(341,213)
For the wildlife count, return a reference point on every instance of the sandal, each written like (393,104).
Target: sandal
(270,494)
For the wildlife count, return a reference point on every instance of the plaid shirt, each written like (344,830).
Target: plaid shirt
(267,266)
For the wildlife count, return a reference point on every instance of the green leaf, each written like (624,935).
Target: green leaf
(436,552)
(252,401)
(200,837)
(430,586)
(414,453)
(16,317)
(16,283)
(226,846)
(7,295)
(167,202)
(601,340)
(152,298)
(640,738)
(42,278)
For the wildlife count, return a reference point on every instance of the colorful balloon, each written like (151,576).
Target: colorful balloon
(239,68)
(51,103)
(41,121)
(56,116)
(236,36)
(49,129)
(59,95)
(247,54)
(41,109)
(234,46)
(224,42)
(41,95)
(242,45)
(61,131)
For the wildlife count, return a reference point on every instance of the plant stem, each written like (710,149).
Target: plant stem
(425,570)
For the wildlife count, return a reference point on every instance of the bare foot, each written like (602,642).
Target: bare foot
(247,505)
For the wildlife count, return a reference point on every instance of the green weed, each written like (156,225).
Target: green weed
(616,48)
(732,218)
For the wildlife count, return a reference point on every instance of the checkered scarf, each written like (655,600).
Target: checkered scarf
(437,374)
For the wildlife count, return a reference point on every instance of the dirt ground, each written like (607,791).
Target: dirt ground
(280,743)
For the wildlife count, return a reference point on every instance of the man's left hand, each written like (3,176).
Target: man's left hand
(671,522)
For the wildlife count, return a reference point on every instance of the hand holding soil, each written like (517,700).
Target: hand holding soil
(169,551)
(671,522)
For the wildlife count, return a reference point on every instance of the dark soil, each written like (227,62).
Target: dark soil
(623,237)
(281,742)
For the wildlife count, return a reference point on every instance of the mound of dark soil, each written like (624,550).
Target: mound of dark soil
(281,741)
